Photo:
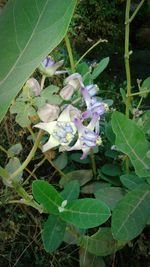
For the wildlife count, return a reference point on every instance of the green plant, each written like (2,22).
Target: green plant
(115,177)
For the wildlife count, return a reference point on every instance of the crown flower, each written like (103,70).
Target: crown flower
(48,67)
(62,131)
(73,82)
(87,137)
(93,105)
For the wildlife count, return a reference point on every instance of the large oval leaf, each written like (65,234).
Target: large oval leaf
(53,233)
(29,29)
(131,140)
(131,214)
(86,213)
(101,243)
(46,194)
(110,195)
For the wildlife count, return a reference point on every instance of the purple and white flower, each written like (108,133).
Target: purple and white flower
(93,105)
(48,67)
(87,137)
(73,82)
(62,131)
(92,89)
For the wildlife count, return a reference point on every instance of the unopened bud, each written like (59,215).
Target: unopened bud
(67,92)
(48,66)
(49,113)
(34,86)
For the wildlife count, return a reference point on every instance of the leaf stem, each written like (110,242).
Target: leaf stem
(29,157)
(69,49)
(140,93)
(136,10)
(26,198)
(55,167)
(42,82)
(32,173)
(89,50)
(6,152)
(93,162)
(127,55)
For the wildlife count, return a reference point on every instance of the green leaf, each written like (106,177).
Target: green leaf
(89,260)
(111,180)
(110,195)
(24,111)
(46,194)
(51,96)
(83,176)
(131,140)
(86,213)
(29,31)
(72,233)
(131,214)
(61,161)
(144,122)
(101,243)
(82,68)
(85,72)
(12,166)
(53,233)
(100,67)
(111,169)
(131,181)
(109,133)
(15,149)
(71,191)
(5,177)
(145,87)
(91,188)
(76,157)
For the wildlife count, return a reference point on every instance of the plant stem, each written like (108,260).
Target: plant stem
(29,157)
(136,10)
(32,173)
(93,162)
(127,55)
(89,50)
(69,49)
(31,132)
(6,152)
(27,199)
(140,102)
(140,93)
(55,167)
(42,82)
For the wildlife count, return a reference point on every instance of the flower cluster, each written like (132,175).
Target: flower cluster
(69,127)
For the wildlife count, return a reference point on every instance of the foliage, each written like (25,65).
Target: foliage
(98,197)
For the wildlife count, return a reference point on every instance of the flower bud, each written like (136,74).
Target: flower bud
(48,66)
(34,86)
(75,80)
(49,112)
(67,92)
(92,89)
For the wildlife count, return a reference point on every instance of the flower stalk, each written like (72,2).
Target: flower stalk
(69,49)
(29,157)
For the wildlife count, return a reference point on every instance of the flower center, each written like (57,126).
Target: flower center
(64,132)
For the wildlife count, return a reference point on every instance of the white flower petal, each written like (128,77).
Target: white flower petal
(65,115)
(48,127)
(52,142)
(77,146)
